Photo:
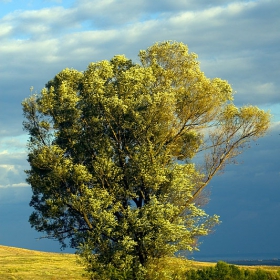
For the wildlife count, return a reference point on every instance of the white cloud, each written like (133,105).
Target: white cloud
(20,185)
(13,161)
(9,167)
(38,24)
(5,30)
(12,175)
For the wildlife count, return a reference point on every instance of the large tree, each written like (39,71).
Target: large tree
(111,156)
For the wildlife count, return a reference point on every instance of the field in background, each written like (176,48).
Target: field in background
(16,263)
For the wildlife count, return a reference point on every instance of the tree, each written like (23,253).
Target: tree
(111,156)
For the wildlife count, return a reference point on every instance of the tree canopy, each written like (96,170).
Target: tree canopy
(111,156)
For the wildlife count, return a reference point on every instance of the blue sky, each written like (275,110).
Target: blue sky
(235,40)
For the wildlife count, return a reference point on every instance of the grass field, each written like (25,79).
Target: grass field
(22,264)
(16,263)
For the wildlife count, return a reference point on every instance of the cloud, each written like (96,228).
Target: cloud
(37,24)
(12,175)
(19,185)
(7,158)
(13,162)
(8,167)
(235,40)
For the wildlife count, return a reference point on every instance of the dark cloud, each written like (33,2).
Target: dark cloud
(15,228)
(246,197)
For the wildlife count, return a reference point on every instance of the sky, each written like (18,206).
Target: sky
(235,40)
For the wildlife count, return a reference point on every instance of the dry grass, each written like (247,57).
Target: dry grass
(16,263)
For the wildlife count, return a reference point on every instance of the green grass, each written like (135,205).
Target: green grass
(16,263)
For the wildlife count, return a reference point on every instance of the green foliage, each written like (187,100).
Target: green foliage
(110,153)
(224,271)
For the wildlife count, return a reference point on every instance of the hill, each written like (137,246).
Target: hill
(16,263)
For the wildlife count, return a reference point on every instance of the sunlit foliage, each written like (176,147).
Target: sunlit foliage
(111,149)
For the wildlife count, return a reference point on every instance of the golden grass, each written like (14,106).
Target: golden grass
(16,263)
(23,264)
